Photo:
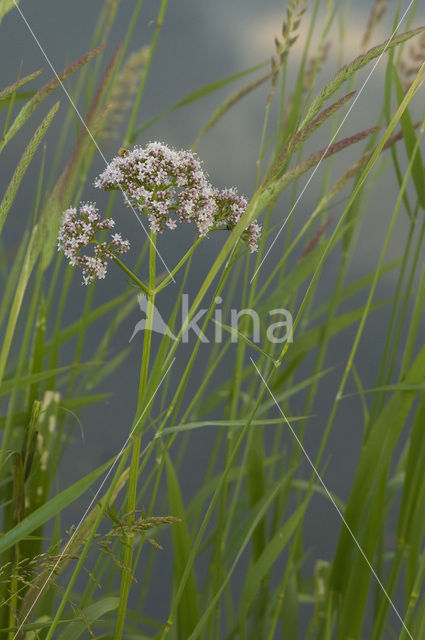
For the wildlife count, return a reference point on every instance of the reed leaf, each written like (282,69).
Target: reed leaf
(49,509)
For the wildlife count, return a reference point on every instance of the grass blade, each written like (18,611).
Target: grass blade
(187,611)
(50,509)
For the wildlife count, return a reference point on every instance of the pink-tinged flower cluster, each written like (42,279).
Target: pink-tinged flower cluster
(230,207)
(78,230)
(161,181)
(170,186)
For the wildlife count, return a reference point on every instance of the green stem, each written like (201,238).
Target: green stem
(381,614)
(178,266)
(126,576)
(131,275)
(413,600)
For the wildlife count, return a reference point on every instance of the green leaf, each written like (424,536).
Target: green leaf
(71,330)
(356,287)
(5,7)
(256,515)
(50,509)
(259,570)
(18,97)
(238,335)
(188,609)
(418,174)
(9,385)
(285,290)
(196,95)
(91,613)
(307,341)
(107,369)
(189,426)
(13,275)
(365,502)
(411,521)
(34,626)
(84,401)
(397,386)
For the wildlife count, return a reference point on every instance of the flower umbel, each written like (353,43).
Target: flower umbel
(170,186)
(161,181)
(78,231)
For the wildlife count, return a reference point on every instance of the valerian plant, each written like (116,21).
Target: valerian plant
(169,187)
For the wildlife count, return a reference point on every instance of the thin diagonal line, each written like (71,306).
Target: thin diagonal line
(332,140)
(88,131)
(341,515)
(94,499)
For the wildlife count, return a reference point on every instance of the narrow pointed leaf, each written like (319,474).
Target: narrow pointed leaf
(50,509)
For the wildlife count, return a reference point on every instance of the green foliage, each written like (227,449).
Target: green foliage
(49,509)
(22,166)
(5,7)
(188,611)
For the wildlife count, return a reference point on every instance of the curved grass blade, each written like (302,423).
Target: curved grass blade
(91,614)
(188,609)
(50,509)
(5,7)
(371,470)
(410,140)
(256,516)
(261,568)
(189,426)
(196,95)
(238,335)
(9,385)
(230,102)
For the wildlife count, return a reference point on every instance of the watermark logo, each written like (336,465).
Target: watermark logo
(158,324)
(276,326)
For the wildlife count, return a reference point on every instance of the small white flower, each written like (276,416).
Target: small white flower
(78,232)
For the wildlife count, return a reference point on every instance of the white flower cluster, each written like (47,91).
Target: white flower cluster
(78,230)
(170,186)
